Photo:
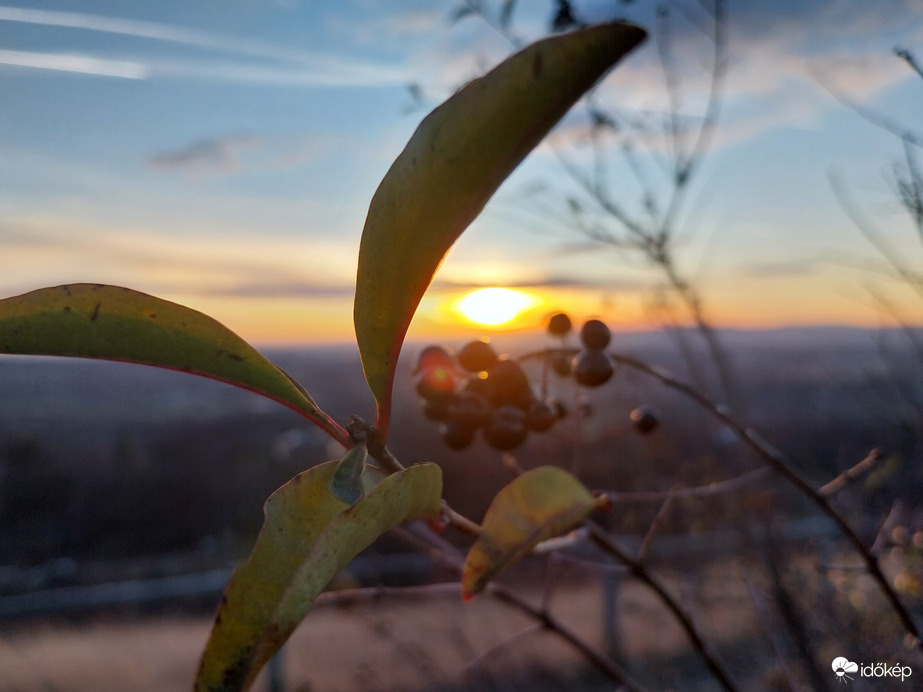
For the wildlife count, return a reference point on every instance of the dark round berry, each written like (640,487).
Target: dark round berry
(478,385)
(541,416)
(595,334)
(509,384)
(469,410)
(559,324)
(432,356)
(561,365)
(436,382)
(456,436)
(437,409)
(477,356)
(592,367)
(506,429)
(645,419)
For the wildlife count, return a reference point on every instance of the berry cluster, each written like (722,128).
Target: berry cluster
(591,367)
(480,390)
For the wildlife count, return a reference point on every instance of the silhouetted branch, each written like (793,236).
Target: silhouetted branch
(868,229)
(776,461)
(850,474)
(637,570)
(908,57)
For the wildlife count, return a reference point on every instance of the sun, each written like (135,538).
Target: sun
(494,306)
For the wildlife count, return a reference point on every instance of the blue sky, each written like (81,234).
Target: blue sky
(223,155)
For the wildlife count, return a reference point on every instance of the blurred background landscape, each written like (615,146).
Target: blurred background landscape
(741,201)
(129,494)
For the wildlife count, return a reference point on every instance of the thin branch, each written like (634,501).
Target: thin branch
(850,474)
(445,554)
(637,570)
(659,520)
(875,118)
(478,663)
(767,621)
(912,189)
(460,521)
(868,229)
(779,464)
(698,492)
(345,598)
(908,57)
(887,526)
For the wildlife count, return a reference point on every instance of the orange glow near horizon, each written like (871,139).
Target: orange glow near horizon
(494,307)
(322,320)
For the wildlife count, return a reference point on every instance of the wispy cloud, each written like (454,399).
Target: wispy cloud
(244,153)
(218,155)
(81,64)
(294,67)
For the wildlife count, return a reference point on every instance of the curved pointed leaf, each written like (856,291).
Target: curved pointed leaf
(346,483)
(308,536)
(114,323)
(452,165)
(540,504)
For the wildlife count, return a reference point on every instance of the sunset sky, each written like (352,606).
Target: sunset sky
(223,154)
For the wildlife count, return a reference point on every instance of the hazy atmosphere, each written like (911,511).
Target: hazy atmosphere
(223,155)
(656,423)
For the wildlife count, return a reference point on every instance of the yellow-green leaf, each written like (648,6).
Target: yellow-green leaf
(540,504)
(452,165)
(308,536)
(114,323)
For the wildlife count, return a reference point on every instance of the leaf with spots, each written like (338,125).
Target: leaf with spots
(451,167)
(308,536)
(540,504)
(113,323)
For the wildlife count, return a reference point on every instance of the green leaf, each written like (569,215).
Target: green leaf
(97,321)
(308,536)
(540,504)
(346,483)
(453,164)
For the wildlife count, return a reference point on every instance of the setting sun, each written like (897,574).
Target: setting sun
(494,306)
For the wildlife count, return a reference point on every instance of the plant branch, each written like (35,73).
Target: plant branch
(871,233)
(447,555)
(909,58)
(701,491)
(637,570)
(850,474)
(777,462)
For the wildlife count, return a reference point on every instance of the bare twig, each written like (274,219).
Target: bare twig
(908,57)
(659,520)
(884,533)
(698,492)
(460,521)
(637,570)
(779,464)
(850,474)
(868,229)
(767,620)
(515,638)
(449,557)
